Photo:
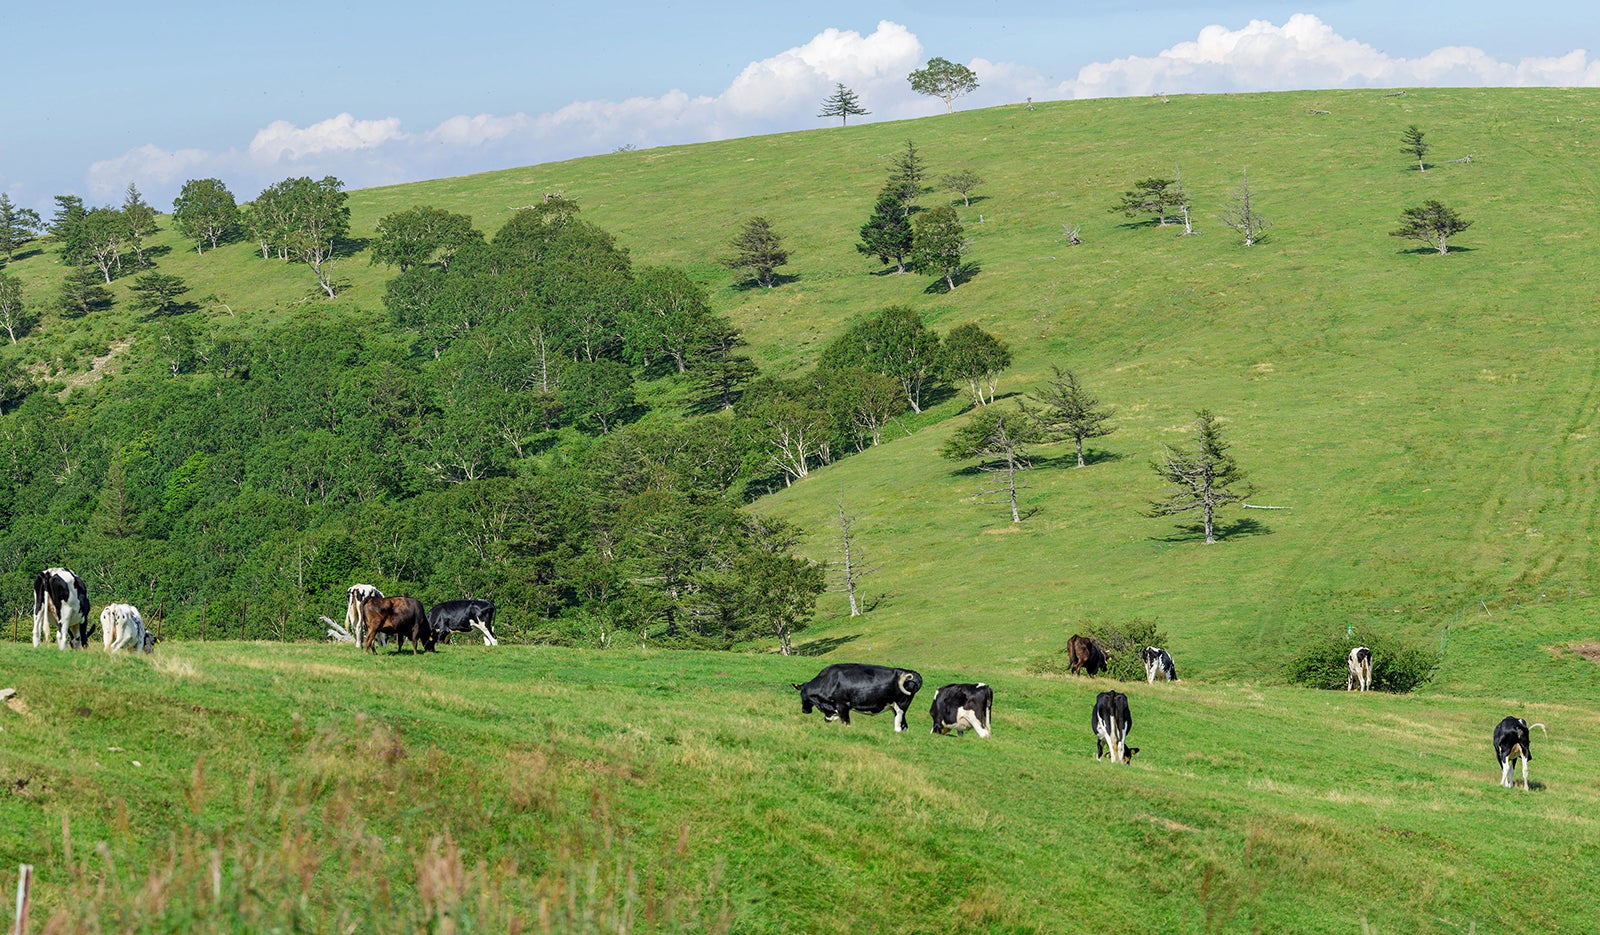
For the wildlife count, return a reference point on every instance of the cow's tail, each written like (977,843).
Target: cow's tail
(1541,727)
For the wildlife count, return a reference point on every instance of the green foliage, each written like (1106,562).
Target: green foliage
(1413,144)
(1161,197)
(962,182)
(303,220)
(896,343)
(417,235)
(1202,478)
(887,233)
(1124,643)
(758,251)
(17,226)
(972,356)
(945,80)
(939,243)
(158,293)
(82,292)
(15,315)
(844,104)
(205,213)
(1433,224)
(1070,411)
(1321,660)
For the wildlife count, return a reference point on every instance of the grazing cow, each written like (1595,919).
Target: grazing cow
(1360,669)
(961,707)
(355,620)
(121,628)
(1158,662)
(1111,722)
(60,594)
(847,686)
(463,616)
(1084,653)
(401,616)
(1511,743)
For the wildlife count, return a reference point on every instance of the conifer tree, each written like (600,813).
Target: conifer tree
(1204,478)
(844,104)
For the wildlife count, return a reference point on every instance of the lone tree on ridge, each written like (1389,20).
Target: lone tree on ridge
(945,80)
(844,104)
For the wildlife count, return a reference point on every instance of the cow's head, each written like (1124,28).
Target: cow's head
(1127,754)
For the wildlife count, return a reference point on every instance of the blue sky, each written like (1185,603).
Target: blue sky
(103,93)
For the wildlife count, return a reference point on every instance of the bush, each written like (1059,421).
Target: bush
(1123,642)
(1323,661)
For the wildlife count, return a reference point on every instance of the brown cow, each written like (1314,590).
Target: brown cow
(401,616)
(1084,653)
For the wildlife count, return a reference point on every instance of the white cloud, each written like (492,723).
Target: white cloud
(281,139)
(785,91)
(1306,53)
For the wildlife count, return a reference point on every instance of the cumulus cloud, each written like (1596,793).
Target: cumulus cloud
(785,91)
(281,139)
(1306,53)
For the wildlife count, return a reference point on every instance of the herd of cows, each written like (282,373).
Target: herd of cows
(370,617)
(851,686)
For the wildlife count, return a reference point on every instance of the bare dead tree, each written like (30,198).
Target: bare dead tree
(1070,231)
(1242,216)
(851,565)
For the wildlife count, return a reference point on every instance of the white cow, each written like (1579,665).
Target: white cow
(60,594)
(121,628)
(355,617)
(1360,670)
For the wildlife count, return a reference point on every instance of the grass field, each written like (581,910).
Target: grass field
(524,784)
(1427,423)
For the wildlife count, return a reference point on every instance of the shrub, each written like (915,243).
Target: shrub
(1323,661)
(1123,642)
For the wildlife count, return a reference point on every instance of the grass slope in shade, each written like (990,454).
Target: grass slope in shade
(317,788)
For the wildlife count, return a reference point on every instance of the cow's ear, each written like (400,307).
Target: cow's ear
(796,685)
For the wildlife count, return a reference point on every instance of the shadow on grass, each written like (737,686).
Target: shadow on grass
(965,274)
(1237,529)
(1433,251)
(778,279)
(826,645)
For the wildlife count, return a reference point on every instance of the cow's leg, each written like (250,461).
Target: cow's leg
(63,635)
(1505,772)
(41,629)
(844,713)
(899,716)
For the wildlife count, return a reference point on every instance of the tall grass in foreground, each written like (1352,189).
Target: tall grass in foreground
(297,854)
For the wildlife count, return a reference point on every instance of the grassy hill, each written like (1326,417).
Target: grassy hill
(1428,423)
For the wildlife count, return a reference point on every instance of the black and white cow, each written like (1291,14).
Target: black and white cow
(121,628)
(355,618)
(1110,723)
(463,616)
(963,706)
(853,686)
(1158,663)
(60,595)
(1360,669)
(1511,743)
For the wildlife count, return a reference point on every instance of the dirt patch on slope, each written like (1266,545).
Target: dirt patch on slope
(1589,651)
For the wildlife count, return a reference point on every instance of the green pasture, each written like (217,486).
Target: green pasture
(686,792)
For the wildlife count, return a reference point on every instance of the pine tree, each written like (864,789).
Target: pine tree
(887,233)
(1202,479)
(1070,411)
(844,104)
(758,250)
(1412,143)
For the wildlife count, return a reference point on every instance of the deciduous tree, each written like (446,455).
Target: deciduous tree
(974,357)
(100,237)
(963,182)
(1433,224)
(15,316)
(417,235)
(205,212)
(758,250)
(1203,478)
(945,80)
(896,343)
(844,104)
(938,243)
